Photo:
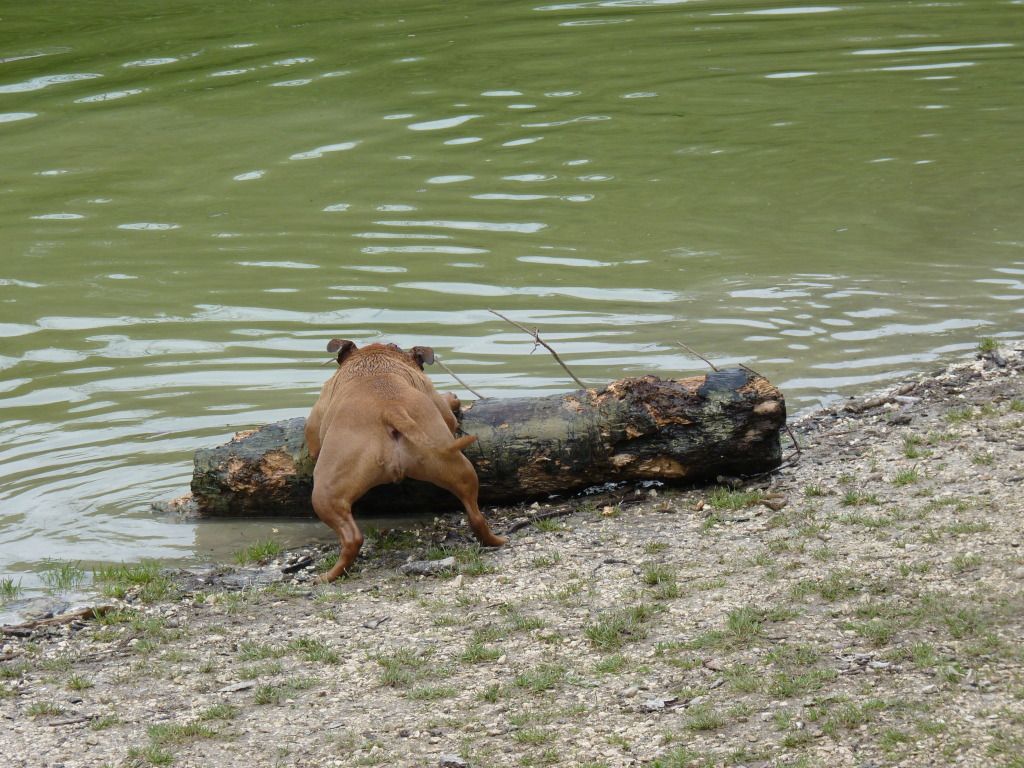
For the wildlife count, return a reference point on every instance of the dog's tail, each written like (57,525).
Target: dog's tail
(403,424)
(462,442)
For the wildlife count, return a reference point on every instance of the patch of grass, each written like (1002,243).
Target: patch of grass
(267,669)
(722,498)
(259,552)
(477,652)
(60,576)
(546,561)
(541,678)
(965,562)
(858,499)
(790,654)
(814,491)
(611,665)
(867,521)
(663,579)
(615,628)
(491,694)
(969,526)
(835,586)
(908,569)
(275,694)
(743,624)
(681,757)
(987,345)
(220,712)
(983,459)
(44,709)
(9,590)
(401,667)
(959,415)
(548,525)
(906,477)
(703,717)
(655,547)
(145,578)
(314,650)
(744,678)
(431,693)
(152,755)
(852,715)
(471,561)
(249,650)
(923,655)
(533,736)
(708,584)
(78,683)
(520,622)
(166,734)
(786,685)
(912,447)
(104,722)
(391,539)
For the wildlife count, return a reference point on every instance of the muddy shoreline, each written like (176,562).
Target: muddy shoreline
(861,607)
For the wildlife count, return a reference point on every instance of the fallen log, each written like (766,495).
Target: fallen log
(675,431)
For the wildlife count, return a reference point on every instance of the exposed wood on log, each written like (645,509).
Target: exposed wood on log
(687,430)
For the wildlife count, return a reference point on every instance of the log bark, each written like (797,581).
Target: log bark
(675,431)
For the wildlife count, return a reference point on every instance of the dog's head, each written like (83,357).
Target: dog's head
(418,356)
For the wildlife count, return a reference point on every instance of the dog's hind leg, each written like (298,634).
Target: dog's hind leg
(458,476)
(332,503)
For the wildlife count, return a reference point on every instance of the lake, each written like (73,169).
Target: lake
(194,198)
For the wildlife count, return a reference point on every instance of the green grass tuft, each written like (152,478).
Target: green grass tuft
(258,552)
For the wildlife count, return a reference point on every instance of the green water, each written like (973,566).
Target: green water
(195,197)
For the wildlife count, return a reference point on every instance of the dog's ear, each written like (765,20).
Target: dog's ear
(343,347)
(422,356)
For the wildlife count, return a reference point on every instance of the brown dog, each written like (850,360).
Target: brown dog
(378,420)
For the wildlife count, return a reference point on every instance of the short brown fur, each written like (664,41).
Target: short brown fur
(379,420)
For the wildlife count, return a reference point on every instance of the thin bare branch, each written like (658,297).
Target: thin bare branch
(451,373)
(751,370)
(796,443)
(535,333)
(698,354)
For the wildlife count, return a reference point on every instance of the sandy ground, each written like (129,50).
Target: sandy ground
(862,607)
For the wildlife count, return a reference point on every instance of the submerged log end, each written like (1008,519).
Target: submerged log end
(258,472)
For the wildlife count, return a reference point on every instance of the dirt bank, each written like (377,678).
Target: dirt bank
(862,607)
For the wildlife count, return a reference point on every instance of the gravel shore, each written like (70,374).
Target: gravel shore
(861,607)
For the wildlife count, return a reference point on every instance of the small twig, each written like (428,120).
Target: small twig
(451,373)
(792,437)
(748,368)
(72,720)
(63,618)
(538,340)
(714,367)
(561,512)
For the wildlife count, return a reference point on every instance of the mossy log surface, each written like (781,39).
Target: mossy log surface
(676,431)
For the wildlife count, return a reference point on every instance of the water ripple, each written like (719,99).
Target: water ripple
(38,83)
(440,125)
(477,226)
